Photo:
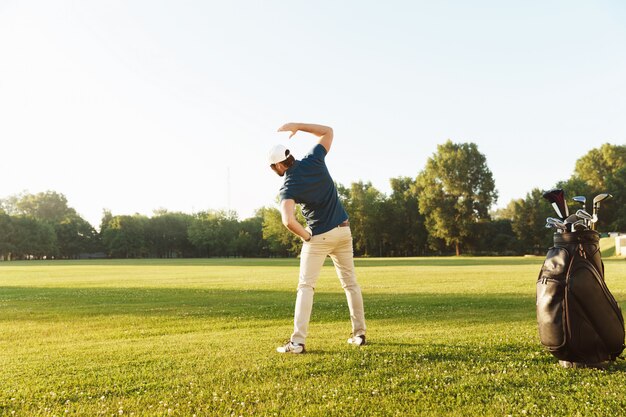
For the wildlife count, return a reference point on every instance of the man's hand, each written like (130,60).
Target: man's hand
(289,127)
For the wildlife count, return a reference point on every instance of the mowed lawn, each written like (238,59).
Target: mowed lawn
(448,336)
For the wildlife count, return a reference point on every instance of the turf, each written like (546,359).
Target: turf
(607,247)
(448,336)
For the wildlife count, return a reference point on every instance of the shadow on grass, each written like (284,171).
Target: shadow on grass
(33,303)
(488,353)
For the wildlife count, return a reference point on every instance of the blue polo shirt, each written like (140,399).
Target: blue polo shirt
(309,184)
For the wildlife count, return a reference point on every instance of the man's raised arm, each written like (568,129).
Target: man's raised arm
(324,133)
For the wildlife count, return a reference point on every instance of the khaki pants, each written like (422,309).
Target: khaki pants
(336,243)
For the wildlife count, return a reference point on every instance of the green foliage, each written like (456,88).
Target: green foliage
(598,165)
(48,206)
(249,241)
(493,237)
(365,208)
(124,236)
(528,222)
(32,238)
(46,211)
(405,231)
(613,212)
(456,191)
(214,232)
(6,236)
(602,170)
(279,239)
(166,235)
(454,336)
(75,236)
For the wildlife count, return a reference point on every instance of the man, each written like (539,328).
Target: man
(307,182)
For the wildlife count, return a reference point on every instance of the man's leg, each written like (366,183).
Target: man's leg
(311,261)
(343,258)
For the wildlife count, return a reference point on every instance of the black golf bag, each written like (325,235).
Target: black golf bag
(579,320)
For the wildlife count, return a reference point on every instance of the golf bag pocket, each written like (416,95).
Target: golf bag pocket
(596,324)
(551,297)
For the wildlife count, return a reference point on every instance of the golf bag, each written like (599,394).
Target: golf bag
(579,320)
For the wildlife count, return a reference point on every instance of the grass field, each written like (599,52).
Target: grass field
(449,336)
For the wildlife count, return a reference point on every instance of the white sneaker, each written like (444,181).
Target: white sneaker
(291,347)
(357,340)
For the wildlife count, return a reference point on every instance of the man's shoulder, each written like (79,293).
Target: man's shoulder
(317,154)
(318,151)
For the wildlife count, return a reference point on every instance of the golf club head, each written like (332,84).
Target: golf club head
(569,221)
(586,217)
(596,206)
(556,197)
(553,226)
(582,214)
(601,197)
(579,225)
(582,200)
(557,223)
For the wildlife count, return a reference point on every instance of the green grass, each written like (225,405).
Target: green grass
(607,247)
(449,336)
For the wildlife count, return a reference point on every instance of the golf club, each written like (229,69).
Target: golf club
(556,223)
(596,206)
(582,200)
(579,225)
(569,221)
(588,218)
(556,197)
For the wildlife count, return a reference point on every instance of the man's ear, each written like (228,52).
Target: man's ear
(276,170)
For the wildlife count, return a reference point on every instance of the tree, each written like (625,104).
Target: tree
(364,207)
(75,236)
(280,241)
(494,237)
(617,206)
(107,217)
(598,165)
(213,233)
(249,240)
(528,222)
(49,206)
(456,190)
(166,234)
(405,224)
(6,236)
(33,238)
(602,170)
(123,236)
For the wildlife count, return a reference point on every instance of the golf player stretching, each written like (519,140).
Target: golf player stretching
(307,182)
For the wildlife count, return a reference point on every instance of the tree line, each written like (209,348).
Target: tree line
(445,209)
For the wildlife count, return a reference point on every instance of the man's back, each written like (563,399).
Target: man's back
(308,182)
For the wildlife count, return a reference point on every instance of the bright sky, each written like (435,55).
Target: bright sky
(134,106)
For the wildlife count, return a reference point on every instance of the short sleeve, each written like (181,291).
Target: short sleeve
(319,152)
(284,194)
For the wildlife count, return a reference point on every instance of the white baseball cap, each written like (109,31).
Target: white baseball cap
(278,154)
